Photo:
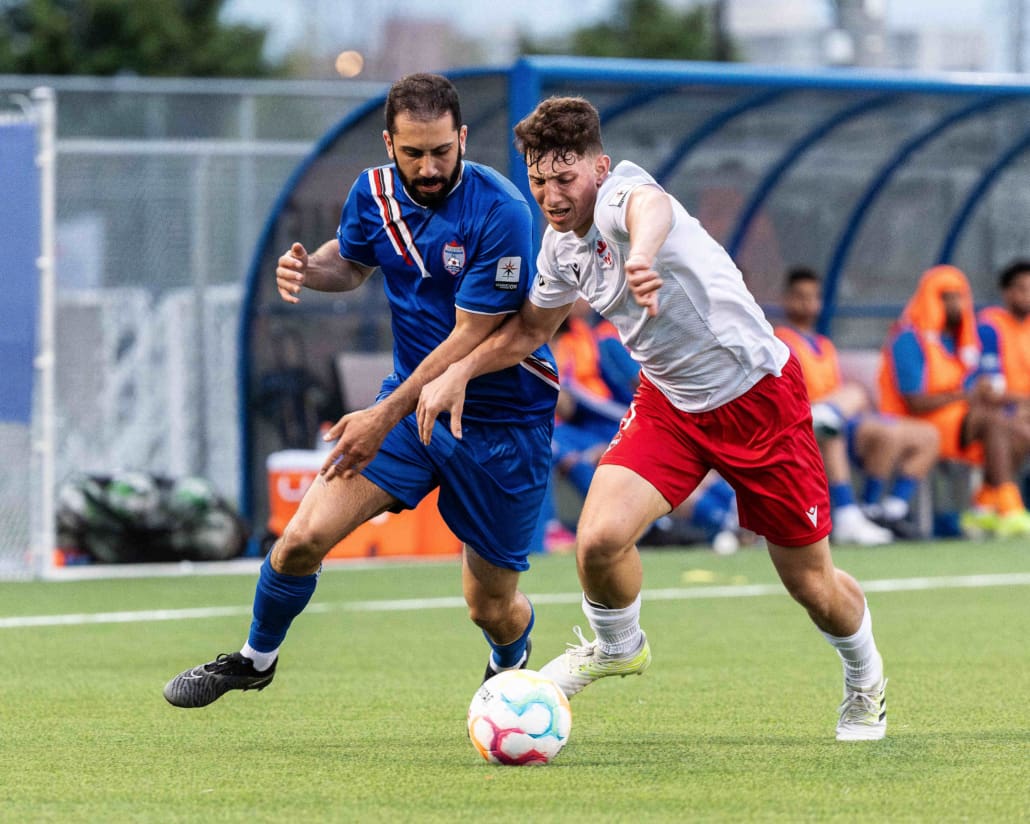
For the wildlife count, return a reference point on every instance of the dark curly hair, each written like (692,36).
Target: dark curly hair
(422,97)
(568,126)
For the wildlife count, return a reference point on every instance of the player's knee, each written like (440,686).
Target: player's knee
(487,613)
(301,546)
(600,544)
(812,590)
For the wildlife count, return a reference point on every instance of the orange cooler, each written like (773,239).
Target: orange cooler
(419,531)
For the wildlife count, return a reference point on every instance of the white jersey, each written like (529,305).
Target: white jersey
(710,341)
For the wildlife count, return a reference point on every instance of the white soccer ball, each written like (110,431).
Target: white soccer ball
(519,717)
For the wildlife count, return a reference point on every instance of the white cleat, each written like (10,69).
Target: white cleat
(863,714)
(850,526)
(582,664)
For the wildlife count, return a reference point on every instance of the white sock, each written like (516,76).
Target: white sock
(494,666)
(617,630)
(863,667)
(262,660)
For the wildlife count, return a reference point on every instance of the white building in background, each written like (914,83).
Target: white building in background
(960,35)
(941,49)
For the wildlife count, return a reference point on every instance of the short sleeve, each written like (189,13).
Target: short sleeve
(909,364)
(613,200)
(354,242)
(551,287)
(990,354)
(499,272)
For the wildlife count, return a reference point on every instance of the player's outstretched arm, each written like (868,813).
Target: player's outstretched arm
(520,335)
(359,435)
(649,220)
(322,270)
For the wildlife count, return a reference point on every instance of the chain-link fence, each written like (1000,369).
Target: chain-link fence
(162,189)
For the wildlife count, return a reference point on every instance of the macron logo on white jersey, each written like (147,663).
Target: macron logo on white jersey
(813,515)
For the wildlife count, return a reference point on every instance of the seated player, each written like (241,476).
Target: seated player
(889,450)
(929,372)
(1005,338)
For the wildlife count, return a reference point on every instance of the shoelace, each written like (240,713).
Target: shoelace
(858,706)
(222,660)
(584,649)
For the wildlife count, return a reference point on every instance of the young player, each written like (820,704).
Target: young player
(453,240)
(718,390)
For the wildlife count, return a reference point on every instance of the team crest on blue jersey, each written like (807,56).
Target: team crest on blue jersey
(453,257)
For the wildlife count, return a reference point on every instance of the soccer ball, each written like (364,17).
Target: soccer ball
(519,717)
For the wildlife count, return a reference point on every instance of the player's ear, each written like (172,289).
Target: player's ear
(463,134)
(389,144)
(601,167)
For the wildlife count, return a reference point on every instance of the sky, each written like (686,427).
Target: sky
(286,17)
(291,21)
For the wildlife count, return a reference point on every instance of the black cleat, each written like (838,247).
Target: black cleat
(205,684)
(491,672)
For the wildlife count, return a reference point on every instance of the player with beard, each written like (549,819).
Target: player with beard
(454,241)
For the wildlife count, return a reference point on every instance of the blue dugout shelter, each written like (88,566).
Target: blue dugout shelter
(868,177)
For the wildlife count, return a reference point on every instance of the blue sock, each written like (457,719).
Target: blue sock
(278,599)
(904,488)
(506,656)
(841,495)
(872,490)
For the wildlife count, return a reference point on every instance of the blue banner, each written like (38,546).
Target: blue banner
(19,277)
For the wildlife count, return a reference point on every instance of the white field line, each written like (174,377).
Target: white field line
(408,604)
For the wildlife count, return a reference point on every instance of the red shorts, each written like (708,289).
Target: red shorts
(762,443)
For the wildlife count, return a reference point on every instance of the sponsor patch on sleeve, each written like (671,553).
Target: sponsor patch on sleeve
(508,271)
(619,196)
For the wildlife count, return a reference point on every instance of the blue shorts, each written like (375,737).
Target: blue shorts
(570,438)
(492,482)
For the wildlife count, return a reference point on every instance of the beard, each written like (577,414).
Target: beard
(431,199)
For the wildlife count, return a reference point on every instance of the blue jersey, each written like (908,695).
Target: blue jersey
(990,351)
(474,252)
(910,362)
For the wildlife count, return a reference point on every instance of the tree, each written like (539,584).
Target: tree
(183,38)
(646,28)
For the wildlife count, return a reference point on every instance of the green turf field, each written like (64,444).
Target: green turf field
(365,721)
